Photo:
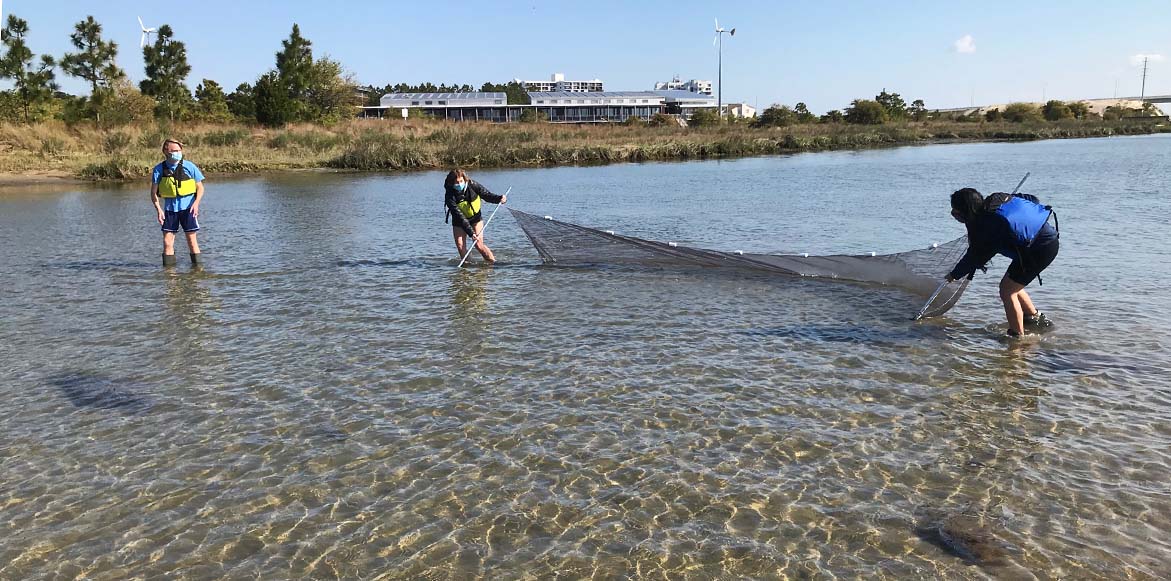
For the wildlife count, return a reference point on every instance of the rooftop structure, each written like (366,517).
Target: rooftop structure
(693,86)
(557,83)
(471,99)
(741,110)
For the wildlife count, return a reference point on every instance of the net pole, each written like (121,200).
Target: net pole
(943,284)
(489,221)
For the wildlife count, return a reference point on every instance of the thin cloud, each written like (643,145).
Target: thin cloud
(966,44)
(1138,58)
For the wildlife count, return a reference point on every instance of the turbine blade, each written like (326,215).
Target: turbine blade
(717,24)
(142,42)
(140,24)
(715,38)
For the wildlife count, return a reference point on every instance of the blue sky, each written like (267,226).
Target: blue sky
(823,53)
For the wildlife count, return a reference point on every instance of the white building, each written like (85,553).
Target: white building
(693,86)
(553,106)
(741,110)
(558,84)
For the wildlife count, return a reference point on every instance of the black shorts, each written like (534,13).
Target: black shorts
(471,221)
(1031,262)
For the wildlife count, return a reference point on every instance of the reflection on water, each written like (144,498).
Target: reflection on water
(94,390)
(330,397)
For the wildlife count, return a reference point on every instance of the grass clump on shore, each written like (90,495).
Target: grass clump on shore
(125,153)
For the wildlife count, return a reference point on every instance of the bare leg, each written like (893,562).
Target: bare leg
(169,243)
(461,240)
(1010,294)
(1027,304)
(483,248)
(192,243)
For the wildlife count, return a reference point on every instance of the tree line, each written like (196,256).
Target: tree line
(890,107)
(301,88)
(515,91)
(298,88)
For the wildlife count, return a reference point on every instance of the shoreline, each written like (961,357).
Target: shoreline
(406,148)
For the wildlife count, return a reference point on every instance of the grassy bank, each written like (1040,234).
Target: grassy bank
(91,153)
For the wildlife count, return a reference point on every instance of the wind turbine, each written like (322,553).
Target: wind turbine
(719,39)
(146,32)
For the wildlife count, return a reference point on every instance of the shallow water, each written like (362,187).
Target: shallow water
(331,397)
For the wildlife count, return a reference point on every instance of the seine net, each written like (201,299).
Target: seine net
(920,272)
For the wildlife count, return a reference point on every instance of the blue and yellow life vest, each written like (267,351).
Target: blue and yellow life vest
(175,181)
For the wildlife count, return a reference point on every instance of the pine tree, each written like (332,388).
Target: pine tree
(94,62)
(211,102)
(166,70)
(271,99)
(241,102)
(33,83)
(294,64)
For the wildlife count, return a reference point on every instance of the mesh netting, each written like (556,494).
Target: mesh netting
(917,271)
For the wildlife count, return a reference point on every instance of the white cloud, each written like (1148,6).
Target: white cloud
(1138,58)
(966,44)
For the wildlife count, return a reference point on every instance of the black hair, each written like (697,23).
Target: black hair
(454,175)
(968,203)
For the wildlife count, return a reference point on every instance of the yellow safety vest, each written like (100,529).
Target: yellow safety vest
(175,182)
(469,209)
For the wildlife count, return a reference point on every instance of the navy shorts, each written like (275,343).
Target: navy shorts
(173,220)
(1031,262)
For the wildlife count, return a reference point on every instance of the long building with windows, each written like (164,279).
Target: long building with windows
(472,106)
(554,106)
(557,83)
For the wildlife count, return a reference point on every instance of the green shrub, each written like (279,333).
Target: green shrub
(115,142)
(116,168)
(52,146)
(225,138)
(316,141)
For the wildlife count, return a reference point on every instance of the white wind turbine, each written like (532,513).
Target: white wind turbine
(720,75)
(146,32)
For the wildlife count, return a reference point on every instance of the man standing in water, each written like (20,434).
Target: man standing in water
(179,185)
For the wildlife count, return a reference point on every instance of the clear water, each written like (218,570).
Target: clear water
(331,397)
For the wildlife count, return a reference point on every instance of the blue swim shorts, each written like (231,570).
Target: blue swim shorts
(173,220)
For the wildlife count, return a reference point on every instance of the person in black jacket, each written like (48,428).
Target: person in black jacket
(994,229)
(462,197)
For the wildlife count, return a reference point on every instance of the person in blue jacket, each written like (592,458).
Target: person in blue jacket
(1016,226)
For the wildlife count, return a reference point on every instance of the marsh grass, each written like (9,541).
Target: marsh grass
(125,153)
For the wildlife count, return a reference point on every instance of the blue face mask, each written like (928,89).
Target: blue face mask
(461,186)
(176,155)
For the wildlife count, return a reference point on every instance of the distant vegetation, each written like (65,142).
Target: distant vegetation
(301,114)
(93,152)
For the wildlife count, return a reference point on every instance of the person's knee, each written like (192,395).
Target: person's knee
(1010,292)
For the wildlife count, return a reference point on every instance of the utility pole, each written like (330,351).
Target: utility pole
(1143,93)
(720,71)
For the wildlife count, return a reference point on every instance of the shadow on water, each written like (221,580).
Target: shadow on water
(1085,363)
(92,390)
(432,262)
(101,265)
(852,333)
(966,536)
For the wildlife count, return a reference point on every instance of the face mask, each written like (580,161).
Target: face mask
(461,186)
(175,155)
